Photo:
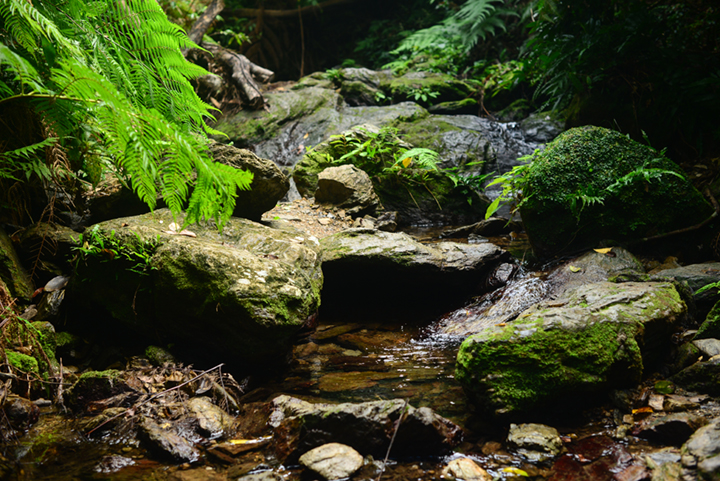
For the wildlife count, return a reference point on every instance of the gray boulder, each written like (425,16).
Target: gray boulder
(696,276)
(332,461)
(349,188)
(367,427)
(536,442)
(269,184)
(594,338)
(250,288)
(394,270)
(702,451)
(517,296)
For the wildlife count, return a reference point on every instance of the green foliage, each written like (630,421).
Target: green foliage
(512,183)
(469,183)
(335,75)
(136,254)
(115,70)
(475,20)
(652,66)
(422,94)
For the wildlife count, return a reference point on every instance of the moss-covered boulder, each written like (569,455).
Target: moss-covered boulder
(239,294)
(710,328)
(592,183)
(95,386)
(595,338)
(426,88)
(420,196)
(525,291)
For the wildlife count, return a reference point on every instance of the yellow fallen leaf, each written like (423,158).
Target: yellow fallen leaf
(604,250)
(646,409)
(574,269)
(407,161)
(241,441)
(250,441)
(515,471)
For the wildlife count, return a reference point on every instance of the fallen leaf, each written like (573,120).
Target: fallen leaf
(643,410)
(306,136)
(574,269)
(515,471)
(407,161)
(604,250)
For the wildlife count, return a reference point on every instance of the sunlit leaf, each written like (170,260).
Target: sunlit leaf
(574,269)
(515,471)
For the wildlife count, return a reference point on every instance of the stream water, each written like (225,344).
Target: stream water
(337,362)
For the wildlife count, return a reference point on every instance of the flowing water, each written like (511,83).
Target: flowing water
(367,360)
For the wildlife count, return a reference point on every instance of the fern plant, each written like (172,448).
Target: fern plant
(115,70)
(475,20)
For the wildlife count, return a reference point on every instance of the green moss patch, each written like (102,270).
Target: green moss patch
(593,183)
(599,338)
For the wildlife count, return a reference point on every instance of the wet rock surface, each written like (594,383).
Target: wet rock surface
(367,427)
(536,442)
(702,451)
(595,337)
(332,461)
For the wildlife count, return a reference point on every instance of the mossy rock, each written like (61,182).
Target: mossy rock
(596,338)
(408,86)
(710,328)
(237,294)
(23,362)
(569,203)
(457,146)
(437,200)
(96,385)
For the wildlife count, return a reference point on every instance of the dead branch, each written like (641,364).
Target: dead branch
(253,12)
(204,21)
(245,75)
(692,227)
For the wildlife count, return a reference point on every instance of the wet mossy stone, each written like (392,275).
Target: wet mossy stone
(94,386)
(437,200)
(409,86)
(565,183)
(593,339)
(711,327)
(237,294)
(23,362)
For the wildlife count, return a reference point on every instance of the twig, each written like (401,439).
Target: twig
(135,406)
(693,227)
(392,440)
